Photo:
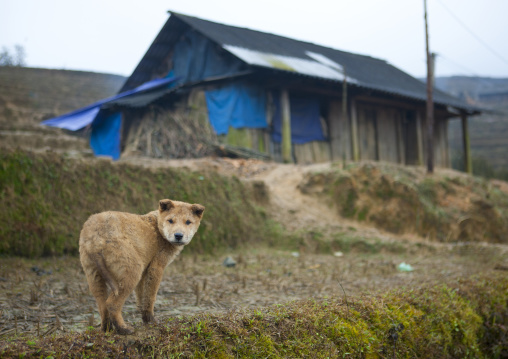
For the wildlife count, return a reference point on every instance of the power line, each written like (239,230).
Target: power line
(473,34)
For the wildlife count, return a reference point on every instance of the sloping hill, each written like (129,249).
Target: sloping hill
(489,131)
(30,95)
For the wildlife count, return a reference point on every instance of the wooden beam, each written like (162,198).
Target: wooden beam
(286,127)
(468,163)
(409,104)
(344,115)
(354,132)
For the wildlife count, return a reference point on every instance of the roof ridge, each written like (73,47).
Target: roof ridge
(180,15)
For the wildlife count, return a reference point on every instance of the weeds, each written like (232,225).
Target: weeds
(464,319)
(402,200)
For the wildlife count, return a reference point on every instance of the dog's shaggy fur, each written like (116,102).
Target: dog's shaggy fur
(128,252)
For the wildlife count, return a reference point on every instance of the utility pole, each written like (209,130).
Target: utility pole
(344,117)
(430,104)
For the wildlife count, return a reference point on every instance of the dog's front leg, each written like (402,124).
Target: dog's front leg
(152,280)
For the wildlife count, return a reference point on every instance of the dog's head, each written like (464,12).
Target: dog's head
(179,221)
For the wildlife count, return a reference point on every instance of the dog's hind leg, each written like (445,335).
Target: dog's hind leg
(115,301)
(114,305)
(100,292)
(98,259)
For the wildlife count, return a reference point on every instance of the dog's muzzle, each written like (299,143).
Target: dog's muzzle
(178,239)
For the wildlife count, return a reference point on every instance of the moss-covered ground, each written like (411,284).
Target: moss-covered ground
(464,319)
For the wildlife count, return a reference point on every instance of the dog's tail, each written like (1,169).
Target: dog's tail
(98,259)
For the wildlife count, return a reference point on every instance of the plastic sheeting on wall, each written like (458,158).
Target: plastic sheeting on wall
(305,119)
(196,58)
(105,137)
(238,105)
(82,117)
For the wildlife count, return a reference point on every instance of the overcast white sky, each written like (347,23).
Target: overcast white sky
(112,35)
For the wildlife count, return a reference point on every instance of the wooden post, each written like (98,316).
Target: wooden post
(344,115)
(468,163)
(430,103)
(286,127)
(354,132)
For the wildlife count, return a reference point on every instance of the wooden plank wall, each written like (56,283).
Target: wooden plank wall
(441,153)
(441,158)
(388,124)
(312,152)
(339,132)
(367,132)
(385,133)
(397,135)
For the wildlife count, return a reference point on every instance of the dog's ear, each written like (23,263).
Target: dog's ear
(198,210)
(165,205)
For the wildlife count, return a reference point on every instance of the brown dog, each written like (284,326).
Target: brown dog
(126,251)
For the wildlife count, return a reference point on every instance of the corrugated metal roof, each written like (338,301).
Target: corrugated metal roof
(308,67)
(280,53)
(286,54)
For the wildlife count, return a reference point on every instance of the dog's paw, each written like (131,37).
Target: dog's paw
(147,317)
(107,326)
(125,330)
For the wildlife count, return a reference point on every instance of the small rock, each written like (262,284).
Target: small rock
(229,262)
(295,254)
(404,267)
(40,271)
(338,254)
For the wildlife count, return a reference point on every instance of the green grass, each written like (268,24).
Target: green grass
(47,198)
(465,319)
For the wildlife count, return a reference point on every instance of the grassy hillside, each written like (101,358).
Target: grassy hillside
(30,95)
(447,206)
(46,198)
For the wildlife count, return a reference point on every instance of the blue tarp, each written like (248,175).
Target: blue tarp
(85,116)
(105,137)
(305,121)
(237,105)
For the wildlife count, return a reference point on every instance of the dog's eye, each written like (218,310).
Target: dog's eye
(188,222)
(170,221)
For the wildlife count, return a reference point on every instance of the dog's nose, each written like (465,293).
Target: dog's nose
(178,236)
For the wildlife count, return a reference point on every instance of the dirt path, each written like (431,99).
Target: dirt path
(290,206)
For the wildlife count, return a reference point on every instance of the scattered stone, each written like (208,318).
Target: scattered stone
(229,262)
(295,254)
(338,254)
(40,271)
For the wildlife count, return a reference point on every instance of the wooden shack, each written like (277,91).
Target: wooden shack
(292,100)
